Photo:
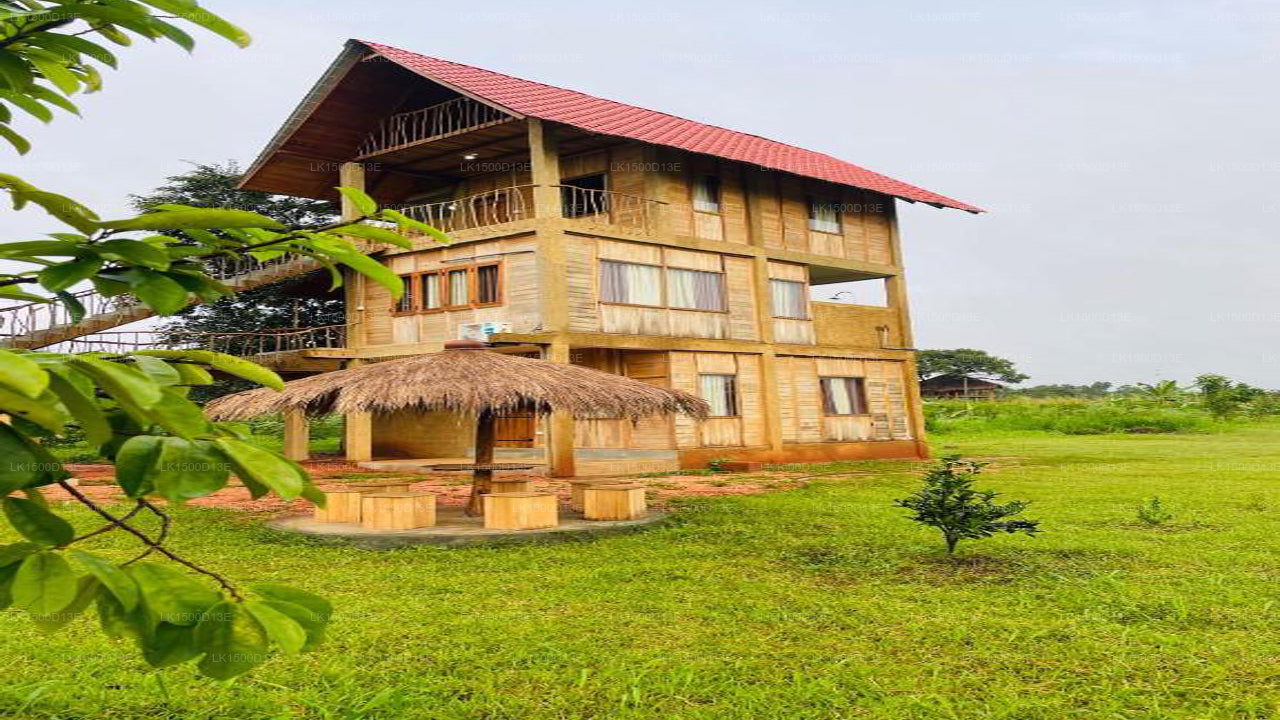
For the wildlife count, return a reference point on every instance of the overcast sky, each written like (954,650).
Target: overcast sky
(1126,151)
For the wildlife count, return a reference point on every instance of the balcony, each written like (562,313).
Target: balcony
(861,326)
(429,124)
(507,209)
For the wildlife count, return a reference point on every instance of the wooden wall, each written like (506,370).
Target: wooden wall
(653,433)
(803,417)
(519,283)
(796,331)
(747,429)
(855,325)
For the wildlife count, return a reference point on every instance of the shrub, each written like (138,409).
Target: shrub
(1154,512)
(948,502)
(1069,416)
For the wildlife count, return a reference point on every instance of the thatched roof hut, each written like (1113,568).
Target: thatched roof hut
(467,381)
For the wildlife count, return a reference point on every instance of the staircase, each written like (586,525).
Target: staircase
(37,325)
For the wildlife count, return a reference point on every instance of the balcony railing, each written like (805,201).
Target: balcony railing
(240,344)
(430,123)
(512,204)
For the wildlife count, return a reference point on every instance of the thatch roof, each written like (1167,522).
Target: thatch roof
(466,381)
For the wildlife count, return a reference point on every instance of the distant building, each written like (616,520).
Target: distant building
(959,387)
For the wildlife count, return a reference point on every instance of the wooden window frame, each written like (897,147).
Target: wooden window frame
(734,399)
(666,302)
(693,192)
(442,289)
(807,316)
(858,400)
(811,201)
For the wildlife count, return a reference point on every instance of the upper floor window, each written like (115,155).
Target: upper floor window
(824,215)
(695,289)
(789,298)
(706,194)
(682,289)
(470,286)
(584,195)
(844,395)
(721,393)
(630,283)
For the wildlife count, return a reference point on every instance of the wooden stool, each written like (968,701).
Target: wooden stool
(510,486)
(402,485)
(578,487)
(520,511)
(341,506)
(614,502)
(397,510)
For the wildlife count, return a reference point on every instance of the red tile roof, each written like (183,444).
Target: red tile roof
(597,115)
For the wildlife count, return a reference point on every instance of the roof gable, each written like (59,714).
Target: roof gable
(597,115)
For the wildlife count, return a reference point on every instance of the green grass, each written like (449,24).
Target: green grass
(814,603)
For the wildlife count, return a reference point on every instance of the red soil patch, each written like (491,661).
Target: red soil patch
(450,488)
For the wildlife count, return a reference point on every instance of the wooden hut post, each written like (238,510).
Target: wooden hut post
(483,476)
(297,436)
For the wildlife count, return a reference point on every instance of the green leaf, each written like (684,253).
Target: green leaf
(19,143)
(56,73)
(377,234)
(7,573)
(24,463)
(36,523)
(171,595)
(360,200)
(228,364)
(373,270)
(84,410)
(193,375)
(43,411)
(407,223)
(180,416)
(233,640)
(134,461)
(117,622)
(87,589)
(167,644)
(135,252)
(44,583)
(319,608)
(27,103)
(252,463)
(22,375)
(63,275)
(283,630)
(14,552)
(156,369)
(186,469)
(192,13)
(115,580)
(159,291)
(75,309)
(120,381)
(205,218)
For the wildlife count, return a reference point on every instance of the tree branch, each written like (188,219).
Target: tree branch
(152,544)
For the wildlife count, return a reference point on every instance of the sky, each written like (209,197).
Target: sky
(1126,151)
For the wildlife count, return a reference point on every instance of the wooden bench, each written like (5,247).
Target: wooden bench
(397,510)
(398,485)
(577,488)
(510,486)
(342,505)
(614,502)
(520,511)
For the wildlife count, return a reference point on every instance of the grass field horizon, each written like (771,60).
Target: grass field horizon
(821,602)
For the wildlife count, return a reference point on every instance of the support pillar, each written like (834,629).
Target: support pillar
(560,461)
(896,292)
(351,174)
(297,435)
(358,431)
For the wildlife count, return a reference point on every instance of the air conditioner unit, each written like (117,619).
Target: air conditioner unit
(480,332)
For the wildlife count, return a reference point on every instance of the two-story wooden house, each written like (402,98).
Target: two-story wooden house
(593,232)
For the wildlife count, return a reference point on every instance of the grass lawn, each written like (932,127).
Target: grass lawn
(814,603)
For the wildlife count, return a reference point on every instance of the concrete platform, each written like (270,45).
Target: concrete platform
(455,529)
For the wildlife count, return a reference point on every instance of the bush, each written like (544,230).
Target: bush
(949,503)
(1068,416)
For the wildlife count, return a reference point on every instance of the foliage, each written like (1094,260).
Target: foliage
(1224,398)
(1064,415)
(135,409)
(290,303)
(1092,390)
(949,503)
(966,361)
(1154,512)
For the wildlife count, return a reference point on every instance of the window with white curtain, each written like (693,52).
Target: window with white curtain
(789,299)
(706,194)
(630,283)
(824,215)
(721,393)
(459,287)
(695,289)
(844,395)
(406,303)
(430,291)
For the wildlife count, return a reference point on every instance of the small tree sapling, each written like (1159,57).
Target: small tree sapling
(948,502)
